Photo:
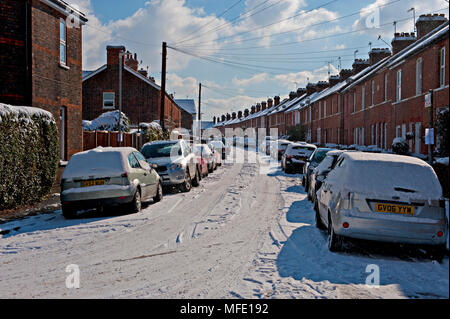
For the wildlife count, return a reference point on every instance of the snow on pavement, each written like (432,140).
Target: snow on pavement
(241,234)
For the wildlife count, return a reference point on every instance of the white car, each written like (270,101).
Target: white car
(383,197)
(106,177)
(277,149)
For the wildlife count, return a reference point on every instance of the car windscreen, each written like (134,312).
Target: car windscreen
(319,156)
(161,150)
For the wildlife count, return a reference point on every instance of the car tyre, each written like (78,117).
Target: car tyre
(159,194)
(136,203)
(437,252)
(319,223)
(334,241)
(68,211)
(196,180)
(186,186)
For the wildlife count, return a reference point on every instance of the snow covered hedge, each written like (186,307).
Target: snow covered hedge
(154,132)
(108,121)
(28,154)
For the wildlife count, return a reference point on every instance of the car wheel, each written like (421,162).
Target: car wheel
(319,223)
(159,194)
(196,180)
(437,252)
(210,170)
(136,203)
(68,211)
(200,175)
(334,241)
(187,184)
(309,194)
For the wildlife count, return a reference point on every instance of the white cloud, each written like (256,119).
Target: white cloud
(182,87)
(257,78)
(302,78)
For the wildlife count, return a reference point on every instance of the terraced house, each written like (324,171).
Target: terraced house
(40,59)
(379,99)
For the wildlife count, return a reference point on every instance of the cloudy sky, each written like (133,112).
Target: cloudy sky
(244,51)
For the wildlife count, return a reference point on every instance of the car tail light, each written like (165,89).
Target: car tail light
(290,156)
(440,234)
(124,174)
(346,225)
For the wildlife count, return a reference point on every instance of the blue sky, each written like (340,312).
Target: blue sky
(274,47)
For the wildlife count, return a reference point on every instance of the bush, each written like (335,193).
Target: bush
(296,133)
(442,124)
(108,121)
(400,146)
(28,154)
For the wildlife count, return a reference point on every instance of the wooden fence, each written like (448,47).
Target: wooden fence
(92,139)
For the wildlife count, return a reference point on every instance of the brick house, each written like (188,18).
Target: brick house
(141,96)
(188,112)
(40,45)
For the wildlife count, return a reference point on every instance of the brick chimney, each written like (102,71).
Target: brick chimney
(143,72)
(428,22)
(292,95)
(322,85)
(229,116)
(112,54)
(345,74)
(224,117)
(253,109)
(310,88)
(131,61)
(233,115)
(246,112)
(378,54)
(214,120)
(277,100)
(258,107)
(333,80)
(360,65)
(240,114)
(301,91)
(269,103)
(401,41)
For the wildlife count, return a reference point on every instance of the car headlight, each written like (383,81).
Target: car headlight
(175,166)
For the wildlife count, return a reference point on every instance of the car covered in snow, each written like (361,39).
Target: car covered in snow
(218,146)
(175,163)
(205,158)
(383,197)
(319,173)
(311,163)
(106,177)
(295,156)
(278,148)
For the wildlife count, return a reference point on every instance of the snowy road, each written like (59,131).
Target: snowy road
(240,234)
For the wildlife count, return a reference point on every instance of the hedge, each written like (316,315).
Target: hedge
(28,154)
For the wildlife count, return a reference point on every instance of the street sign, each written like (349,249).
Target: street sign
(429,136)
(428,100)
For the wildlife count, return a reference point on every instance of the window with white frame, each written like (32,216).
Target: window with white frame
(320,109)
(324,109)
(419,67)
(442,68)
(385,87)
(363,97)
(354,102)
(399,85)
(109,100)
(62,42)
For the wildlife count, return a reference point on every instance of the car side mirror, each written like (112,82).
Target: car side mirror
(154,166)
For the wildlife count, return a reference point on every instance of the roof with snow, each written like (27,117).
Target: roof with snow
(187,105)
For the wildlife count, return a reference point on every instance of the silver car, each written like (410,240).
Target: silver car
(175,163)
(383,197)
(108,176)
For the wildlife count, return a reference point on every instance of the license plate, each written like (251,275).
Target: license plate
(95,182)
(394,209)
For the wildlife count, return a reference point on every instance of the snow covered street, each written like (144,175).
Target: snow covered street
(241,234)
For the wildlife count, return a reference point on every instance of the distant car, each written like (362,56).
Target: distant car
(217,154)
(106,177)
(201,159)
(383,197)
(319,173)
(313,161)
(175,163)
(278,149)
(208,154)
(220,147)
(295,156)
(265,145)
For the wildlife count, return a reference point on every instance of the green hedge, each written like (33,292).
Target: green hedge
(28,155)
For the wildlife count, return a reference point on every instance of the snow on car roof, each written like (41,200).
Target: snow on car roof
(382,157)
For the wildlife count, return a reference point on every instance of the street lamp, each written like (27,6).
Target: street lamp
(119,137)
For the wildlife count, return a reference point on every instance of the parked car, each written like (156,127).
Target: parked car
(106,177)
(220,147)
(295,156)
(208,154)
(319,173)
(265,145)
(315,159)
(175,163)
(278,149)
(217,154)
(202,160)
(383,197)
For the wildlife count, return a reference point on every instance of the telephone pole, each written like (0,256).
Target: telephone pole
(163,84)
(199,110)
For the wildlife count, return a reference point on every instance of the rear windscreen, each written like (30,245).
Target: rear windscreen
(94,164)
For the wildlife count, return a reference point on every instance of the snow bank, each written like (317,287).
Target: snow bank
(442,161)
(107,121)
(25,114)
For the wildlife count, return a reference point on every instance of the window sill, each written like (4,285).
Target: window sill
(63,66)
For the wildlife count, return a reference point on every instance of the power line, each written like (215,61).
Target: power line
(293,30)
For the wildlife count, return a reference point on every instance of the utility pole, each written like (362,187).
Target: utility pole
(431,129)
(199,110)
(119,137)
(163,84)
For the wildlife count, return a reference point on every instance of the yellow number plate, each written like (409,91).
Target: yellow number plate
(394,209)
(93,183)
